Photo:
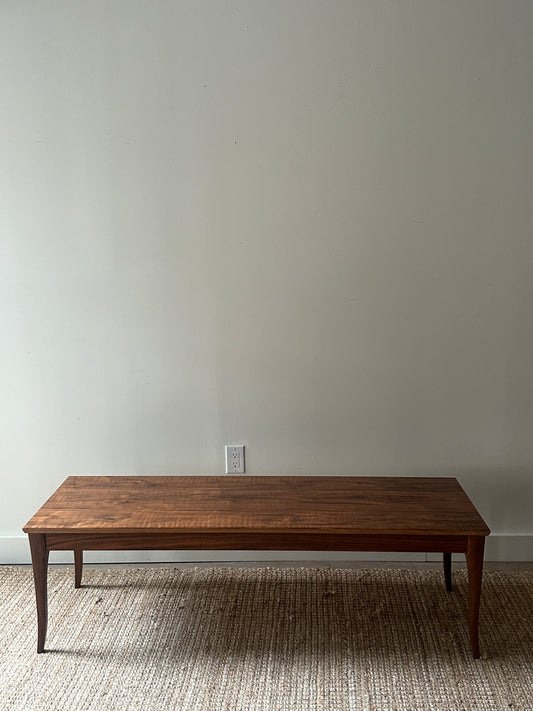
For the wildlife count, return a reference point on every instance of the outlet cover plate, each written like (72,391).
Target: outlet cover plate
(235,459)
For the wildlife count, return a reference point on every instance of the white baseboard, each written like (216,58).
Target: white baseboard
(15,550)
(504,548)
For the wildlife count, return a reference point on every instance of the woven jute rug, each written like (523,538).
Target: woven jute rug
(215,639)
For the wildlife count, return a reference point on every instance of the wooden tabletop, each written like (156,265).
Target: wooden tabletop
(369,505)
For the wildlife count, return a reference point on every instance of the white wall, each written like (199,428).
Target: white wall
(304,226)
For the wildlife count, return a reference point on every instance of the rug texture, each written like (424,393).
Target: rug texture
(216,639)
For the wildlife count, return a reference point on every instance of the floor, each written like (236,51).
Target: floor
(403,565)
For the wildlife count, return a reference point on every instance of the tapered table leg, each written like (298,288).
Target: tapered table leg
(78,567)
(474,563)
(39,558)
(447,562)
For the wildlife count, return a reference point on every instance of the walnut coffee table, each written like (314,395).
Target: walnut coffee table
(258,513)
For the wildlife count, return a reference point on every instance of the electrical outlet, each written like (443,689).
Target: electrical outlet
(235,459)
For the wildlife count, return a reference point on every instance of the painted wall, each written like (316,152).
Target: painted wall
(304,226)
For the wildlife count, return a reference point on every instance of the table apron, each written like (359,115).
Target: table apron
(298,541)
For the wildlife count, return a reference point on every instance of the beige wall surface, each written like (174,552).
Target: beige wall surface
(302,226)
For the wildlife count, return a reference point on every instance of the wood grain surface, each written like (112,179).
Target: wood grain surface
(277,504)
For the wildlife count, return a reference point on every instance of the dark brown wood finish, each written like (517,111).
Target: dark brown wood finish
(259,513)
(474,563)
(78,564)
(39,559)
(277,541)
(447,563)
